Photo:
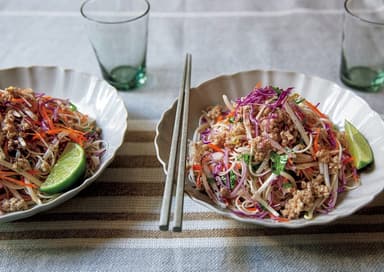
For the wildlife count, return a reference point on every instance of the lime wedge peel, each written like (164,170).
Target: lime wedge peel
(69,168)
(358,146)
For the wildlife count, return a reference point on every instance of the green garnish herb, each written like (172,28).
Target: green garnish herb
(278,162)
(231,119)
(277,90)
(246,158)
(287,185)
(232,179)
(72,107)
(298,101)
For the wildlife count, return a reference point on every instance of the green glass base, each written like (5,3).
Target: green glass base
(363,78)
(126,77)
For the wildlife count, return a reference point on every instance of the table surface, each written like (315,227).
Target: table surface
(117,229)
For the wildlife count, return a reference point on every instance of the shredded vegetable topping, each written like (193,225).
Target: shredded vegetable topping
(270,154)
(35,129)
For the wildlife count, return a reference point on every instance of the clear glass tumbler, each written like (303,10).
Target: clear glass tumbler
(362,63)
(118,32)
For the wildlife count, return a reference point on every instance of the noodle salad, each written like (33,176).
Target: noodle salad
(35,128)
(270,154)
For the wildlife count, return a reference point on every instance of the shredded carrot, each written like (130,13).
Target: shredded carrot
(348,160)
(198,180)
(78,139)
(315,109)
(196,167)
(71,130)
(290,161)
(17,100)
(215,147)
(7,173)
(230,115)
(316,141)
(258,85)
(18,182)
(34,106)
(33,171)
(47,119)
(278,218)
(74,135)
(219,118)
(38,135)
(252,209)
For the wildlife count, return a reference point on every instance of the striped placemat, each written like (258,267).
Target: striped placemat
(121,210)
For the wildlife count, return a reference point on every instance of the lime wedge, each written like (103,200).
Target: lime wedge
(69,168)
(358,146)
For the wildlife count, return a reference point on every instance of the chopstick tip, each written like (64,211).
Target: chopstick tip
(177,229)
(163,227)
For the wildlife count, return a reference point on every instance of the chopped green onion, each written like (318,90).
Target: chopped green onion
(298,101)
(263,207)
(231,119)
(72,107)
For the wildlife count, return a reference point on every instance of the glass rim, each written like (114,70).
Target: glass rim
(350,12)
(83,13)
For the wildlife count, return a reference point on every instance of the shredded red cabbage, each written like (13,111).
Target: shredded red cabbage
(331,138)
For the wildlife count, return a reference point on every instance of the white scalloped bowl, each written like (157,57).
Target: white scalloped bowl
(91,95)
(335,101)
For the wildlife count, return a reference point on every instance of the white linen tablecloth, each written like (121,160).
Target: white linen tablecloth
(113,224)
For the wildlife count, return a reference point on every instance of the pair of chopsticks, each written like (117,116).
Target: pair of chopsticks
(181,119)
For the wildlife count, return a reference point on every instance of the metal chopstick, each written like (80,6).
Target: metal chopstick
(167,195)
(178,214)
